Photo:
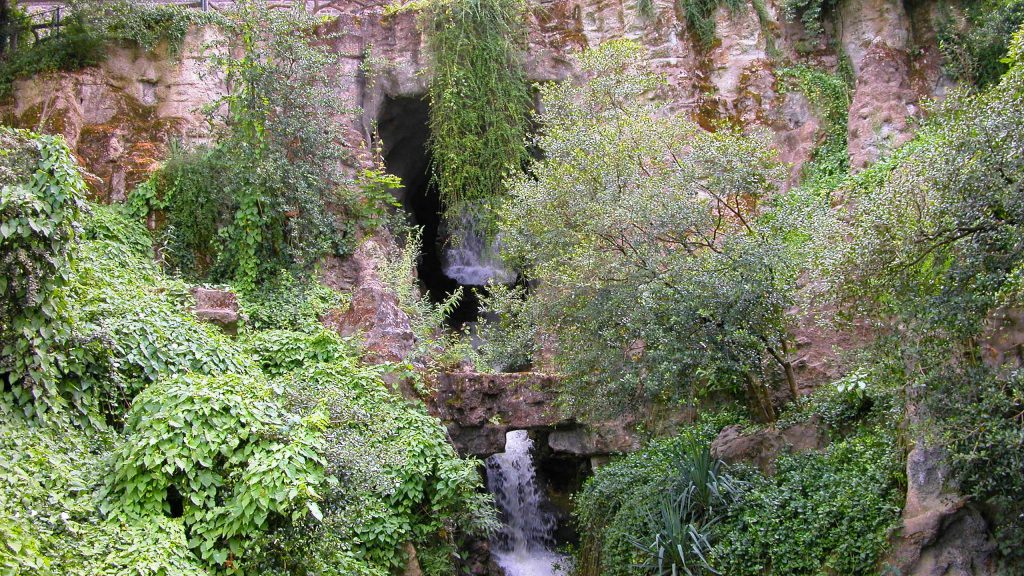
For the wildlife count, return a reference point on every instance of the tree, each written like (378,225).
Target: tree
(930,248)
(653,262)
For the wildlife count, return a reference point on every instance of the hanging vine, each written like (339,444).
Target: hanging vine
(479,97)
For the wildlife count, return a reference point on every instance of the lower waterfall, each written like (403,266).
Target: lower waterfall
(525,544)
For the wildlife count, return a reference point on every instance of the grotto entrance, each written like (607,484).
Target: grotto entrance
(452,254)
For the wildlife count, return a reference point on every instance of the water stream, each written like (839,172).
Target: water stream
(525,544)
(471,260)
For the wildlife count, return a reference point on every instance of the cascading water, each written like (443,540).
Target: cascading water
(470,259)
(524,545)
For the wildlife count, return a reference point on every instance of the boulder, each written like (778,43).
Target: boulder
(763,447)
(219,307)
(942,534)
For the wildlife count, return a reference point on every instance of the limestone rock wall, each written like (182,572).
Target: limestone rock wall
(120,117)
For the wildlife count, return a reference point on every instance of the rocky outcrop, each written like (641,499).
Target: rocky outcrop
(479,409)
(219,307)
(875,36)
(762,447)
(120,116)
(942,534)
(374,313)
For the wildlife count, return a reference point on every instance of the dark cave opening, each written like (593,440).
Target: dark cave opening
(404,130)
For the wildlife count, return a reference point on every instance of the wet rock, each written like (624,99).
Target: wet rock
(607,438)
(219,307)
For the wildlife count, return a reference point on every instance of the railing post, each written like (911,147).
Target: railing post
(56,21)
(204,4)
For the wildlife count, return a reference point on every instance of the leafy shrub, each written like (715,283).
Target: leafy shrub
(646,214)
(981,427)
(809,12)
(271,192)
(40,199)
(279,351)
(218,453)
(399,479)
(974,44)
(621,504)
(287,303)
(825,512)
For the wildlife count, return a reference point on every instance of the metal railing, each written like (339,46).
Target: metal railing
(48,20)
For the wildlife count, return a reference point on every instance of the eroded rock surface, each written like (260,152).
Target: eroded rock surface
(479,409)
(764,446)
(219,307)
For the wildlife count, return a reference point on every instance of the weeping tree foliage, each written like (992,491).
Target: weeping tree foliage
(479,97)
(655,267)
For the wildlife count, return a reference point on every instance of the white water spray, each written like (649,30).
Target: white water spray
(471,260)
(524,545)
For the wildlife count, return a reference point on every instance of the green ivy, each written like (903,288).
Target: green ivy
(220,454)
(829,94)
(821,513)
(40,199)
(479,97)
(285,302)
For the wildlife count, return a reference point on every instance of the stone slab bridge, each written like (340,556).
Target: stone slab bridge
(479,409)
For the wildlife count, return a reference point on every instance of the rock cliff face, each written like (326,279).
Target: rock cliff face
(121,115)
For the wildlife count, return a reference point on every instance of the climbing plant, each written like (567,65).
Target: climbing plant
(829,95)
(479,97)
(41,195)
(270,192)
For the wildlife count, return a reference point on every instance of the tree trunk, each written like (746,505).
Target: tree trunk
(759,395)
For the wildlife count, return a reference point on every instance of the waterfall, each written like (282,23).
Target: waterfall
(524,546)
(470,259)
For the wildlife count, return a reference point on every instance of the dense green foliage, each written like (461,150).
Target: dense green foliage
(808,12)
(270,193)
(975,40)
(647,215)
(829,94)
(621,504)
(170,449)
(479,98)
(820,512)
(931,250)
(90,27)
(700,18)
(37,215)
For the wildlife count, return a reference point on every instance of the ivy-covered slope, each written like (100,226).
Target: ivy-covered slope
(135,439)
